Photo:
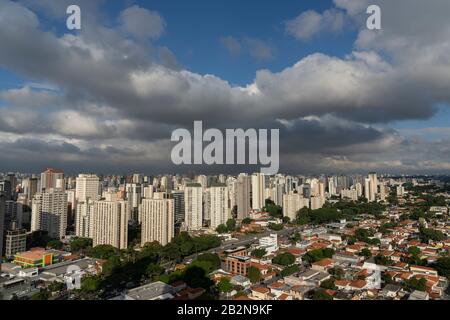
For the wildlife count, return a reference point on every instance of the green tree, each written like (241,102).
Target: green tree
(328,284)
(443,266)
(91,284)
(43,294)
(430,234)
(103,251)
(284,259)
(336,272)
(365,253)
(212,258)
(296,237)
(195,277)
(231,225)
(222,229)
(259,253)
(254,274)
(56,286)
(274,210)
(55,244)
(321,294)
(171,252)
(303,216)
(113,265)
(154,271)
(415,284)
(275,226)
(225,285)
(289,270)
(414,250)
(246,221)
(318,254)
(78,244)
(383,260)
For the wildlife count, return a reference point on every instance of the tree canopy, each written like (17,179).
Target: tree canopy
(284,259)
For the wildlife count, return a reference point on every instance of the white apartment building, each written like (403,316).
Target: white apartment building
(400,190)
(87,187)
(349,194)
(258,188)
(148,192)
(158,220)
(193,206)
(84,219)
(269,243)
(110,223)
(292,203)
(317,202)
(219,210)
(49,213)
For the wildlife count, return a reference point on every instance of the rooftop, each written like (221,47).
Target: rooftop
(150,291)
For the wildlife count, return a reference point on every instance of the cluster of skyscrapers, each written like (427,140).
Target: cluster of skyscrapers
(104,208)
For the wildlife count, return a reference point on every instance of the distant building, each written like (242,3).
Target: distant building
(49,212)
(157,220)
(35,258)
(219,210)
(87,187)
(258,187)
(2,220)
(270,243)
(193,202)
(292,203)
(400,191)
(243,196)
(236,261)
(84,219)
(317,202)
(349,194)
(50,179)
(153,291)
(15,241)
(110,223)
(178,199)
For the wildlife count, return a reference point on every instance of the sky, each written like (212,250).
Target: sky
(107,98)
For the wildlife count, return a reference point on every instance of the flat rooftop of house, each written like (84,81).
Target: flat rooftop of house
(241,258)
(150,291)
(240,278)
(308,274)
(61,268)
(32,254)
(418,295)
(230,251)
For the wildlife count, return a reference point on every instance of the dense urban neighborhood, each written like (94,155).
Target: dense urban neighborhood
(245,237)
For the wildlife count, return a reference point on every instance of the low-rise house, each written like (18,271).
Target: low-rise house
(323,265)
(261,293)
(299,292)
(391,291)
(419,295)
(153,291)
(358,285)
(239,280)
(420,270)
(346,257)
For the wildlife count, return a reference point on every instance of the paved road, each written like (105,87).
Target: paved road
(246,240)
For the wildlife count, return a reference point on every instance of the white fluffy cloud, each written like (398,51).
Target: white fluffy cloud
(311,23)
(142,23)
